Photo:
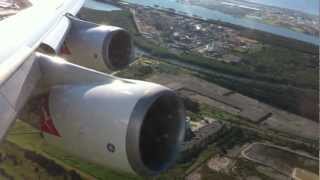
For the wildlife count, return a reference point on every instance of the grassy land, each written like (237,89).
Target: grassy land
(35,143)
(144,67)
(247,168)
(300,101)
(285,65)
(16,166)
(23,137)
(278,72)
(270,64)
(208,174)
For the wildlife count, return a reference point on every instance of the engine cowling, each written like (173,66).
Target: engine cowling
(99,47)
(133,126)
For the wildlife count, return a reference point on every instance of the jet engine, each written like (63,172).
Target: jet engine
(99,47)
(128,125)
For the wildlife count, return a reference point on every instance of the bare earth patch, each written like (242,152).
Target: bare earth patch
(219,163)
(194,176)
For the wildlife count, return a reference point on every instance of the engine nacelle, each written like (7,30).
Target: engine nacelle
(99,47)
(127,125)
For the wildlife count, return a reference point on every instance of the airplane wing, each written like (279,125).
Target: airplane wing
(129,125)
(43,23)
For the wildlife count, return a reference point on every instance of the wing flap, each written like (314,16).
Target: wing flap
(20,86)
(7,114)
(15,92)
(53,42)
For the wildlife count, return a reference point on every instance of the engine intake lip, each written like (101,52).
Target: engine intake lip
(117,49)
(153,141)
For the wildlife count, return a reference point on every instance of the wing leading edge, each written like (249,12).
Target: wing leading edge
(20,36)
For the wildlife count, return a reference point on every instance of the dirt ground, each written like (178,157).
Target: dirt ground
(194,176)
(280,159)
(219,163)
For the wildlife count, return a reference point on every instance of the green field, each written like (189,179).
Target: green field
(53,163)
(27,138)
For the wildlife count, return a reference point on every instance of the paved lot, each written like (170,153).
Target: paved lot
(280,159)
(266,116)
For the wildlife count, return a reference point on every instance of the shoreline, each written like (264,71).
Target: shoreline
(260,35)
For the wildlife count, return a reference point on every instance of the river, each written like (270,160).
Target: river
(205,13)
(100,6)
(306,6)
